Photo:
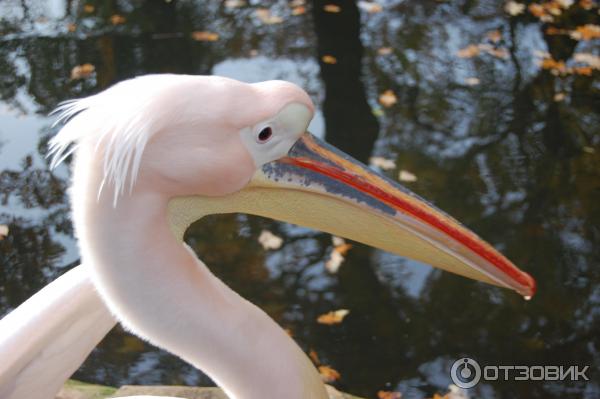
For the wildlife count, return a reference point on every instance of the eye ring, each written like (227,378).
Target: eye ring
(265,134)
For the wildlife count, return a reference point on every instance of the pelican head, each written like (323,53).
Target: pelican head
(216,145)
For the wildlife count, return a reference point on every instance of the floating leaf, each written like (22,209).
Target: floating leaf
(559,97)
(388,395)
(234,3)
(328,374)
(513,8)
(71,27)
(387,98)
(383,163)
(329,59)
(539,11)
(555,67)
(205,36)
(584,71)
(299,10)
(586,4)
(406,176)
(370,6)
(494,35)
(384,51)
(586,32)
(82,71)
(565,3)
(333,317)
(3,231)
(468,52)
(589,59)
(334,262)
(297,3)
(89,8)
(265,16)
(269,240)
(117,19)
(472,81)
(332,8)
(314,357)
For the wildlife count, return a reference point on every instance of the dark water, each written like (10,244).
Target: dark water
(509,157)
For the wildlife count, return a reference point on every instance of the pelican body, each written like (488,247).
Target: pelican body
(154,154)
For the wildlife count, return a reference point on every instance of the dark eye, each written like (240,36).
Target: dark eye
(265,134)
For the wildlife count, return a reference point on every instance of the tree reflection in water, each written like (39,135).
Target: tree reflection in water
(515,157)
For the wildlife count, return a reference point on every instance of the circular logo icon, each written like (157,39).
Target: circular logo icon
(465,373)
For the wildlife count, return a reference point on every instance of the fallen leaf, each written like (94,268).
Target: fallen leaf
(334,262)
(328,374)
(117,19)
(265,16)
(388,395)
(513,8)
(384,51)
(88,8)
(383,163)
(538,11)
(387,98)
(329,59)
(314,357)
(494,35)
(559,97)
(472,81)
(565,3)
(589,150)
(297,3)
(586,32)
(82,71)
(468,52)
(71,27)
(299,10)
(406,176)
(584,71)
(332,8)
(205,36)
(555,67)
(3,231)
(586,4)
(234,3)
(333,317)
(269,240)
(589,59)
(370,6)
(498,52)
(552,30)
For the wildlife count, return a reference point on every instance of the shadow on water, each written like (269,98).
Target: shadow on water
(514,154)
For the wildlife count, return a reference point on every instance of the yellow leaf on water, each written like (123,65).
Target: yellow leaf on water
(299,10)
(383,163)
(586,4)
(328,374)
(370,6)
(205,36)
(387,98)
(329,59)
(388,395)
(117,19)
(587,58)
(82,71)
(384,51)
(332,8)
(3,231)
(468,52)
(265,16)
(586,32)
(89,8)
(559,97)
(406,176)
(234,3)
(333,317)
(513,8)
(314,357)
(472,81)
(494,35)
(269,240)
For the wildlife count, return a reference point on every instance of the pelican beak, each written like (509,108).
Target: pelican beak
(320,187)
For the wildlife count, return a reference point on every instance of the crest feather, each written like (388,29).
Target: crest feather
(118,122)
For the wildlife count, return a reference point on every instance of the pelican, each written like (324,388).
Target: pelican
(155,153)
